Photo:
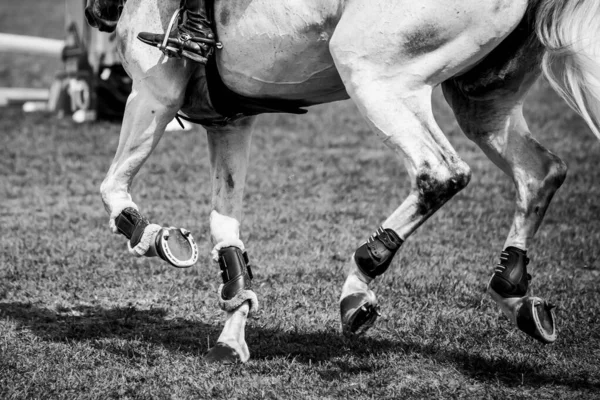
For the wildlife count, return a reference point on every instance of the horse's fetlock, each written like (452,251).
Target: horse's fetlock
(105,187)
(105,192)
(112,194)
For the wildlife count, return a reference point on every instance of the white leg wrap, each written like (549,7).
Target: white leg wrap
(225,232)
(147,240)
(116,207)
(238,300)
(226,243)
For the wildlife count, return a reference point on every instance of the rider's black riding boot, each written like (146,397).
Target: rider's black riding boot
(193,38)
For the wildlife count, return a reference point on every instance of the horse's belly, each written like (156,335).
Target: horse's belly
(280,49)
(300,79)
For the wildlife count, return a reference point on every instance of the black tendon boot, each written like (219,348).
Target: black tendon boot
(193,38)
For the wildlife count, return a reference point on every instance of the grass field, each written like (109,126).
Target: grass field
(80,318)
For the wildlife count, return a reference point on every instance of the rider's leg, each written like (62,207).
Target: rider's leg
(193,38)
(229,151)
(495,122)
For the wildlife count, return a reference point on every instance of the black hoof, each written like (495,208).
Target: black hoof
(536,318)
(223,354)
(358,314)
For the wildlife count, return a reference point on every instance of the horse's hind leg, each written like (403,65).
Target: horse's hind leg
(389,72)
(436,174)
(493,119)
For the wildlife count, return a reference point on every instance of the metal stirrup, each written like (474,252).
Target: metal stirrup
(174,18)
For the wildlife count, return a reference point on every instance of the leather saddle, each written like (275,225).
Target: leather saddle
(226,103)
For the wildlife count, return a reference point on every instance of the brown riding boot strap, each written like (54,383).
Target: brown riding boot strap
(198,6)
(197,23)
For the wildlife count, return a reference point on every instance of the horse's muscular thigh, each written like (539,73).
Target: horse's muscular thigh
(507,71)
(429,42)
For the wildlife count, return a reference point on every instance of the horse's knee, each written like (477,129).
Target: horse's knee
(435,186)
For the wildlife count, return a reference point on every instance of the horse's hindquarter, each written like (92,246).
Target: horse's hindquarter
(279,49)
(425,41)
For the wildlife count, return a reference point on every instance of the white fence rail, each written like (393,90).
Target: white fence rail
(30,44)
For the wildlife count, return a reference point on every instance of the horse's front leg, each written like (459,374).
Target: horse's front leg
(154,101)
(229,151)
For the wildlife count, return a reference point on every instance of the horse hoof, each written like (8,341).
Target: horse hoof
(536,318)
(177,247)
(359,313)
(223,354)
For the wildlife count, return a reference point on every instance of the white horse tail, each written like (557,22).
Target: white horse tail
(570,31)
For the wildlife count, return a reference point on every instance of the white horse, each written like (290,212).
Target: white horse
(387,56)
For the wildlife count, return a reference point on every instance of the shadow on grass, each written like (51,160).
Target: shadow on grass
(509,372)
(86,323)
(325,346)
